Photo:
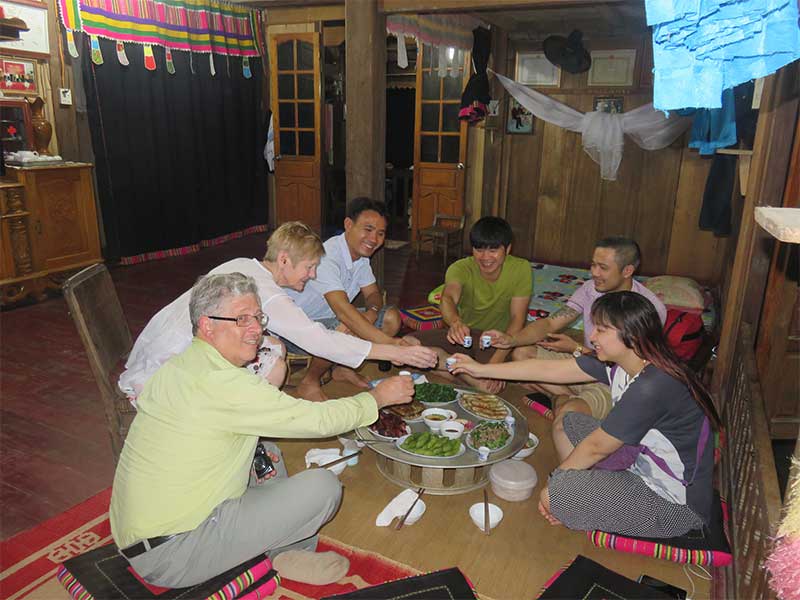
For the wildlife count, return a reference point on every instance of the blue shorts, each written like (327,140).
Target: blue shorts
(332,323)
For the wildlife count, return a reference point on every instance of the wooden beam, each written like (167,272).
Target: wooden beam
(432,6)
(365,39)
(777,119)
(305,14)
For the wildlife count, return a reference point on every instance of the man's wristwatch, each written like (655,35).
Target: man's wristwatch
(578,352)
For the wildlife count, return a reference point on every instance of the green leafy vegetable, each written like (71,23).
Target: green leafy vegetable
(434,393)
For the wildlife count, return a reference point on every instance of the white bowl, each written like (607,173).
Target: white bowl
(452,429)
(416,513)
(527,450)
(436,424)
(476,513)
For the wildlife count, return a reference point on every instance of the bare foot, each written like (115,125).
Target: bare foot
(349,376)
(309,391)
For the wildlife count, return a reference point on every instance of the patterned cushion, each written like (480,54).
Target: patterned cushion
(707,546)
(104,574)
(422,318)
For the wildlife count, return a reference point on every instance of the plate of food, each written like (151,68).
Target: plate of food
(410,412)
(491,434)
(435,394)
(430,445)
(389,426)
(484,406)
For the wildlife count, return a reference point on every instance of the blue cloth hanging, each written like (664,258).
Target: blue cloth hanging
(702,47)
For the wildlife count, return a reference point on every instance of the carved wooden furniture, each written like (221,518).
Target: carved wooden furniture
(443,235)
(48,228)
(97,313)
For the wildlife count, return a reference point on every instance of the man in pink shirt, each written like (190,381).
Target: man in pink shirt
(614,261)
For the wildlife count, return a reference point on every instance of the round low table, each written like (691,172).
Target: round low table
(443,476)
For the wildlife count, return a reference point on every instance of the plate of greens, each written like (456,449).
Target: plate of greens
(435,394)
(492,434)
(430,445)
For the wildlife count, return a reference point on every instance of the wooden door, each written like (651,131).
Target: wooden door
(440,141)
(295,96)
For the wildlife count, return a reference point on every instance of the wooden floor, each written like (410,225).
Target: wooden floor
(55,450)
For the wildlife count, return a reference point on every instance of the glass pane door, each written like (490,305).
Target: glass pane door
(440,129)
(296,98)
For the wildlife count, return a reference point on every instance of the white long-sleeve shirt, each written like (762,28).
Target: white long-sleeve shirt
(169,332)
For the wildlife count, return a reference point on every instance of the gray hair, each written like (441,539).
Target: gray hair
(211,291)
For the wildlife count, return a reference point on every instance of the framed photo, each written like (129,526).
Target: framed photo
(611,68)
(608,104)
(520,119)
(18,76)
(31,44)
(534,69)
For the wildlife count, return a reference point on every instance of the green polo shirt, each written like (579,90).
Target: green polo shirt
(485,304)
(191,444)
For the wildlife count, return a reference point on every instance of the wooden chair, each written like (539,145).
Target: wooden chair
(443,236)
(95,308)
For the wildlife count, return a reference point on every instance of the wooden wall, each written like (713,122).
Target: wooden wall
(551,192)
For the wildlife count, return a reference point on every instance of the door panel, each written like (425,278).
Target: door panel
(295,96)
(440,141)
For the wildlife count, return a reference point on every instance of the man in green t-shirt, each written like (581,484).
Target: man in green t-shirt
(489,290)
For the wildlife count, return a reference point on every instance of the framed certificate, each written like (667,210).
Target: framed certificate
(612,68)
(34,43)
(534,69)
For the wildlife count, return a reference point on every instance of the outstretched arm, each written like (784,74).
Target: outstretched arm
(536,331)
(534,369)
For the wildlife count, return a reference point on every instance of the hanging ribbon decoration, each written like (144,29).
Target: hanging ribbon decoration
(170,63)
(121,56)
(97,55)
(149,59)
(602,133)
(207,26)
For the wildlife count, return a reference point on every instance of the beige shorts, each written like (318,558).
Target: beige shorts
(596,395)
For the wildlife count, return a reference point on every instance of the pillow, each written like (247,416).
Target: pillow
(435,295)
(680,293)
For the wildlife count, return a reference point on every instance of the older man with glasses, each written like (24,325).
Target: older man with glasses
(185,506)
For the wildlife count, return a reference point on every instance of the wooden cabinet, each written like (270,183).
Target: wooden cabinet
(48,228)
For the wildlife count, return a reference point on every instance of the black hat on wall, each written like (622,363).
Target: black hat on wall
(568,52)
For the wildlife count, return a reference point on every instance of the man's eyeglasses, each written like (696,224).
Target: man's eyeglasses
(245,320)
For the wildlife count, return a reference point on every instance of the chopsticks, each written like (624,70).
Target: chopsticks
(486,528)
(410,508)
(338,460)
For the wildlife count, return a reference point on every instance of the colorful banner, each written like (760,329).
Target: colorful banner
(207,26)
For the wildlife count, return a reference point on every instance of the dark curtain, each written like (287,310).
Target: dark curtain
(179,158)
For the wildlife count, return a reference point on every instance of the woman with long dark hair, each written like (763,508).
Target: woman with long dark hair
(646,469)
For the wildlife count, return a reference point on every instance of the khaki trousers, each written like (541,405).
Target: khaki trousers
(283,511)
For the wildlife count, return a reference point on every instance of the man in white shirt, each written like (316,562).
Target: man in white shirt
(343,273)
(293,254)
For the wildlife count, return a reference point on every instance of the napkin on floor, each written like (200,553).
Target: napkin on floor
(321,456)
(397,507)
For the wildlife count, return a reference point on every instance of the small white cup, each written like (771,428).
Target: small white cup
(476,513)
(450,363)
(483,453)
